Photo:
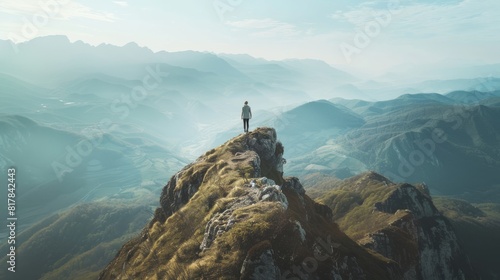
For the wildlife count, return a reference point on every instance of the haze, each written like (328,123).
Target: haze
(416,39)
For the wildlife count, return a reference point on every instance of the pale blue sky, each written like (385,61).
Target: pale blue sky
(421,32)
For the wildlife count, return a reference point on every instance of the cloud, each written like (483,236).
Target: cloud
(121,3)
(419,32)
(266,27)
(18,7)
(428,19)
(63,10)
(77,10)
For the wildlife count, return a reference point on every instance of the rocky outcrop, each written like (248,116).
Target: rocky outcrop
(408,197)
(400,222)
(261,151)
(259,263)
(232,215)
(177,192)
(420,239)
(260,190)
(397,242)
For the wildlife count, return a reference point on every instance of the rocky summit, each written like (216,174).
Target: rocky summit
(231,214)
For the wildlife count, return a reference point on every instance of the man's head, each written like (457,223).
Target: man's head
(246,102)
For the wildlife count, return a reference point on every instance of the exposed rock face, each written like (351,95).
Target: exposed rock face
(441,257)
(224,219)
(408,197)
(177,193)
(294,184)
(273,193)
(399,243)
(348,266)
(259,263)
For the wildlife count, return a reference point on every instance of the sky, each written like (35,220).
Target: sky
(364,36)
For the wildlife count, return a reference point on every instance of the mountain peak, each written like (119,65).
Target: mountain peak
(231,212)
(54,40)
(251,155)
(321,114)
(131,45)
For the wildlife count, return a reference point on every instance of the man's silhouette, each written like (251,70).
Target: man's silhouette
(246,115)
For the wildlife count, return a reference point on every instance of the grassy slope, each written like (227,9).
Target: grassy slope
(77,243)
(353,200)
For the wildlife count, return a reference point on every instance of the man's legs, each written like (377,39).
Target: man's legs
(245,125)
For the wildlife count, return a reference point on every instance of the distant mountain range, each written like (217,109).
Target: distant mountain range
(451,141)
(60,169)
(52,61)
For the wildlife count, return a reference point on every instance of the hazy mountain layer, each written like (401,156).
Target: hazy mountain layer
(58,168)
(452,146)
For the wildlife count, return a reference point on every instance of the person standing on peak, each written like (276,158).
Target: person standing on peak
(246,115)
